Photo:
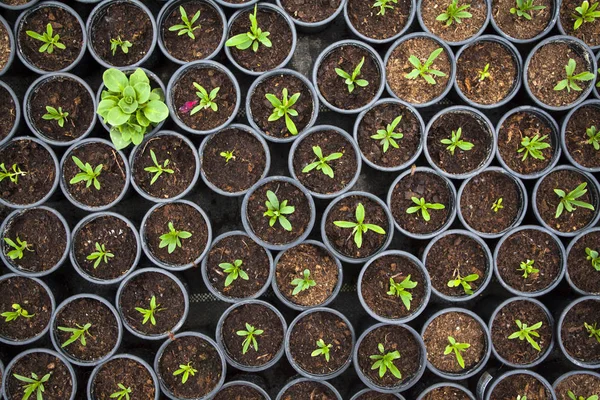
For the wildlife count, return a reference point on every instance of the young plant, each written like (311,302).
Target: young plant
(533,146)
(463,281)
(185,370)
(188,25)
(172,239)
(17,252)
(88,175)
(484,73)
(457,348)
(33,385)
(118,43)
(12,174)
(359,227)
(352,80)
(277,211)
(233,271)
(568,201)
(497,206)
(592,255)
(454,13)
(157,169)
(254,38)
(572,395)
(383,5)
(53,114)
(422,206)
(250,337)
(283,108)
(387,136)
(18,312)
(227,155)
(594,137)
(527,333)
(527,268)
(129,106)
(385,362)
(425,70)
(50,40)
(150,313)
(400,289)
(592,330)
(322,349)
(455,142)
(321,163)
(100,255)
(121,394)
(524,7)
(206,99)
(303,283)
(519,397)
(570,82)
(76,334)
(585,13)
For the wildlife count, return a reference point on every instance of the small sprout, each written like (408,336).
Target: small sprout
(89,175)
(186,370)
(454,12)
(227,155)
(359,227)
(533,146)
(497,206)
(594,137)
(250,333)
(385,361)
(570,81)
(455,142)
(33,385)
(283,108)
(303,283)
(424,70)
(157,169)
(400,289)
(527,268)
(18,312)
(187,26)
(76,334)
(172,239)
(383,5)
(321,163)
(526,332)
(523,7)
(569,200)
(387,136)
(149,313)
(572,395)
(592,255)
(457,348)
(17,252)
(206,99)
(118,43)
(322,349)
(12,174)
(519,397)
(253,38)
(464,282)
(100,255)
(586,13)
(592,330)
(422,206)
(352,80)
(484,73)
(59,115)
(50,40)
(121,394)
(277,211)
(233,271)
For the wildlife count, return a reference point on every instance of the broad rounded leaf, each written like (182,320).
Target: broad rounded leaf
(115,80)
(156,111)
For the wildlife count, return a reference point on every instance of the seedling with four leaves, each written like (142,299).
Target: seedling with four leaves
(533,146)
(594,137)
(100,255)
(57,115)
(33,385)
(233,271)
(76,334)
(384,5)
(122,394)
(400,289)
(322,349)
(150,313)
(527,333)
(568,201)
(227,155)
(12,174)
(592,255)
(423,206)
(88,174)
(187,28)
(254,38)
(118,43)
(17,248)
(17,312)
(185,370)
(572,396)
(172,239)
(570,82)
(50,40)
(586,13)
(463,281)
(277,211)
(457,348)
(207,100)
(592,330)
(359,227)
(388,135)
(497,206)
(484,73)
(303,283)
(527,268)
(250,337)
(353,80)
(321,163)
(158,169)
(385,361)
(524,7)
(454,13)
(425,70)
(455,141)
(283,108)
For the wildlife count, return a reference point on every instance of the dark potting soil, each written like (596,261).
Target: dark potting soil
(265,58)
(366,19)
(8,112)
(58,387)
(431,9)
(520,27)
(373,395)
(15,2)
(118,239)
(310,11)
(515,350)
(547,201)
(581,384)
(464,329)
(576,138)
(325,326)
(417,91)
(138,293)
(308,390)
(502,69)
(580,269)
(342,239)
(453,256)
(376,283)
(269,342)
(126,21)
(526,245)
(393,338)
(378,118)
(523,385)
(276,234)
(39,166)
(242,171)
(447,393)
(239,392)
(333,87)
(33,298)
(184,218)
(102,335)
(207,37)
(181,161)
(184,92)
(474,130)
(201,355)
(262,109)
(575,338)
(63,24)
(44,233)
(127,372)
(547,68)
(512,132)
(323,270)
(344,168)
(255,263)
(433,189)
(5,47)
(589,32)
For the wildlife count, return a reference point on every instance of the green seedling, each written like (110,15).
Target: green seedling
(17,312)
(76,334)
(118,43)
(277,211)
(50,40)
(359,227)
(455,141)
(283,108)
(385,361)
(122,394)
(524,7)
(585,13)
(12,174)
(592,330)
(352,80)
(388,135)
(250,337)
(253,39)
(303,283)
(533,146)
(322,349)
(187,28)
(463,281)
(400,289)
(88,174)
(572,396)
(17,248)
(527,333)
(100,255)
(592,255)
(425,71)
(172,239)
(484,73)
(457,348)
(568,201)
(454,13)
(594,137)
(497,206)
(527,268)
(57,115)
(384,5)
(423,206)
(570,82)
(321,163)
(206,99)
(158,169)
(149,314)
(185,370)
(227,155)
(33,385)
(519,397)
(233,271)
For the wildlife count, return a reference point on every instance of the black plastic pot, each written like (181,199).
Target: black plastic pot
(17,104)
(11,42)
(431,388)
(232,5)
(563,133)
(577,362)
(572,284)
(563,31)
(494,381)
(549,27)
(596,87)
(300,380)
(374,393)
(314,27)
(251,385)
(574,375)
(409,22)
(19,7)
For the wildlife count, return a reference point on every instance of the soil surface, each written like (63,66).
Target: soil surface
(5,47)
(312,390)
(575,338)
(589,32)
(520,27)
(521,385)
(373,395)
(8,111)
(239,392)
(311,11)
(469,27)
(583,384)
(580,269)
(577,139)
(126,372)
(447,393)
(366,19)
